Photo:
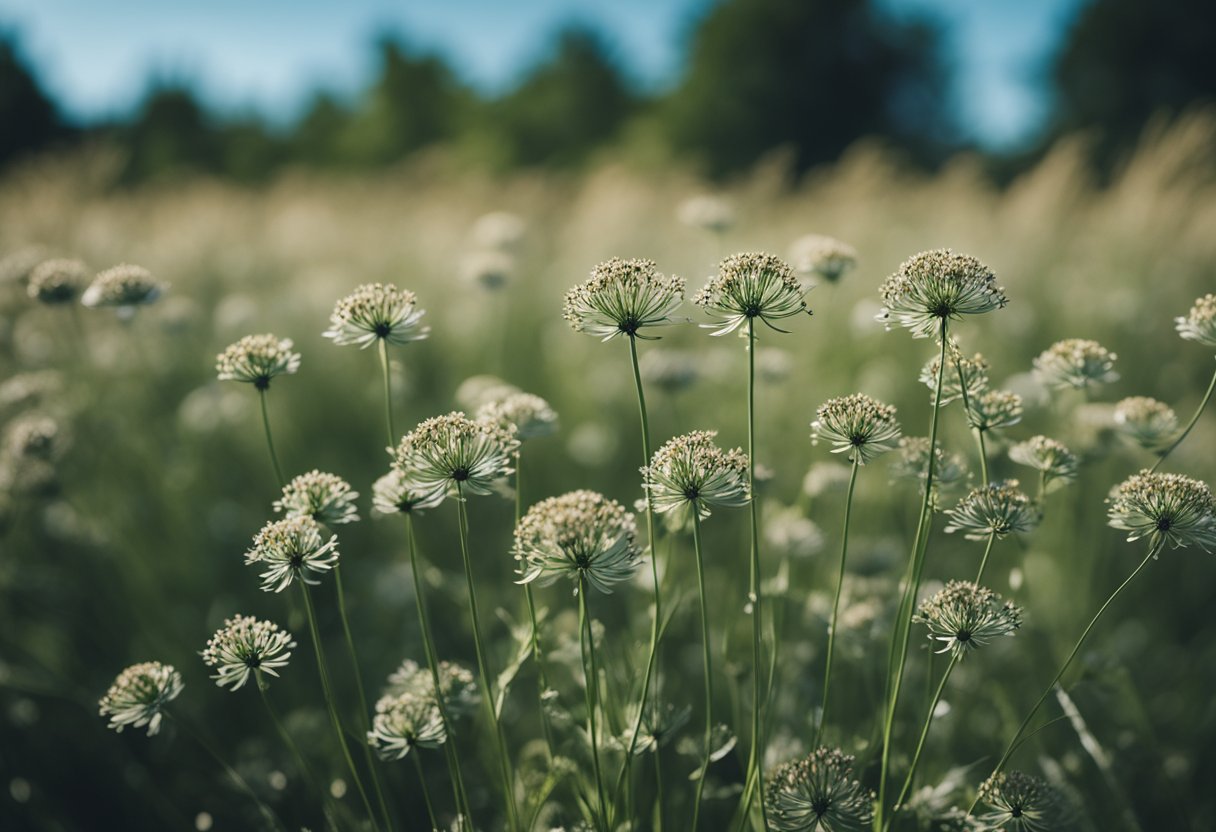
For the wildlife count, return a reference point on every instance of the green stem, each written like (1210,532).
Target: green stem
(305,769)
(591,688)
(388,393)
(1154,548)
(327,690)
(537,657)
(979,576)
(920,743)
(426,794)
(979,434)
(483,669)
(706,658)
(1189,426)
(844,550)
(274,458)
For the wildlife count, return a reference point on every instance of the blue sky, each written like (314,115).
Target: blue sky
(96,57)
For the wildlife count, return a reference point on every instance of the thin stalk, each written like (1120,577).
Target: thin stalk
(844,550)
(426,794)
(1189,425)
(1154,548)
(979,434)
(591,688)
(428,645)
(541,681)
(903,626)
(979,576)
(483,669)
(920,743)
(327,690)
(274,458)
(706,658)
(328,808)
(388,393)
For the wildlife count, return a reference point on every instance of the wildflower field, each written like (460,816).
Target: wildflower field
(456,362)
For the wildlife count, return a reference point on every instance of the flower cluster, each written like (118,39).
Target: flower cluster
(530,416)
(749,286)
(375,312)
(995,509)
(256,359)
(858,424)
(139,695)
(1164,507)
(326,498)
(455,455)
(56,282)
(393,494)
(623,297)
(1023,803)
(1076,363)
(123,285)
(691,471)
(460,695)
(580,535)
(403,722)
(818,793)
(290,549)
(911,462)
(825,257)
(245,646)
(934,287)
(965,616)
(995,409)
(1145,421)
(974,373)
(1199,324)
(1054,462)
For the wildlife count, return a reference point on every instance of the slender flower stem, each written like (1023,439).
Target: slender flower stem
(428,644)
(327,690)
(326,799)
(1189,426)
(1154,548)
(542,681)
(844,550)
(920,744)
(979,576)
(274,458)
(483,669)
(903,625)
(591,687)
(706,658)
(388,393)
(426,794)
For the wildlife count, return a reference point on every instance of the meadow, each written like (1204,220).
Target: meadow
(124,540)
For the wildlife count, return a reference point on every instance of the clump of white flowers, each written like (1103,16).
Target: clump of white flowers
(818,793)
(692,472)
(934,287)
(708,212)
(1199,324)
(581,536)
(1145,421)
(974,372)
(453,455)
(456,682)
(857,424)
(403,722)
(964,616)
(1164,507)
(816,255)
(139,695)
(246,646)
(377,312)
(292,549)
(326,498)
(995,409)
(256,359)
(55,282)
(123,286)
(1076,363)
(623,297)
(751,286)
(529,415)
(996,509)
(393,494)
(1056,464)
(1023,803)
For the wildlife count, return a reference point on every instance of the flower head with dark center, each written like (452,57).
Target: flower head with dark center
(692,472)
(55,282)
(577,535)
(1075,363)
(1146,422)
(377,312)
(623,297)
(995,509)
(857,424)
(256,359)
(1164,507)
(995,409)
(139,695)
(529,415)
(818,794)
(751,286)
(453,454)
(292,549)
(933,287)
(245,646)
(326,498)
(1056,464)
(122,286)
(965,616)
(1024,803)
(393,494)
(403,722)
(1199,324)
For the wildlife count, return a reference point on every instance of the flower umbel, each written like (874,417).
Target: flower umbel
(291,549)
(818,794)
(403,722)
(1023,803)
(911,462)
(374,312)
(623,297)
(1076,363)
(1199,324)
(858,424)
(936,286)
(460,696)
(393,494)
(995,409)
(749,286)
(56,282)
(244,646)
(448,454)
(975,374)
(965,616)
(577,535)
(1055,463)
(139,695)
(326,498)
(1146,422)
(256,359)
(123,285)
(530,416)
(692,471)
(995,509)
(1164,507)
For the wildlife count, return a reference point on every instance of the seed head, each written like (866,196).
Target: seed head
(530,416)
(975,373)
(374,312)
(244,646)
(933,287)
(995,409)
(403,722)
(818,794)
(995,509)
(455,455)
(1164,507)
(393,494)
(623,297)
(1076,363)
(256,359)
(710,213)
(460,695)
(139,695)
(326,498)
(750,286)
(817,256)
(56,282)
(965,616)
(123,285)
(1052,459)
(1200,323)
(1024,803)
(577,535)
(690,471)
(290,549)
(1146,422)
(856,424)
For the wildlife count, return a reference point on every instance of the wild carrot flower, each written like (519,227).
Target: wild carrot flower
(256,359)
(1023,803)
(290,549)
(123,286)
(995,409)
(393,494)
(577,535)
(403,722)
(936,286)
(818,256)
(1164,507)
(995,509)
(623,297)
(911,462)
(690,471)
(449,454)
(818,794)
(1076,363)
(1055,463)
(711,213)
(244,646)
(460,696)
(964,616)
(1200,323)
(659,726)
(975,374)
(56,282)
(326,498)
(530,416)
(374,312)
(139,695)
(858,424)
(1146,422)
(751,286)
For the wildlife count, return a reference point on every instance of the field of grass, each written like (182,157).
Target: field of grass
(128,544)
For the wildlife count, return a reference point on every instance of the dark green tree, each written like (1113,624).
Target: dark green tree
(29,117)
(170,133)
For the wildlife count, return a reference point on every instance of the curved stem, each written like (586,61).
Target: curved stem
(274,458)
(1154,548)
(844,550)
(1189,425)
(591,688)
(706,658)
(426,794)
(920,743)
(327,690)
(483,669)
(388,393)
(305,769)
(979,576)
